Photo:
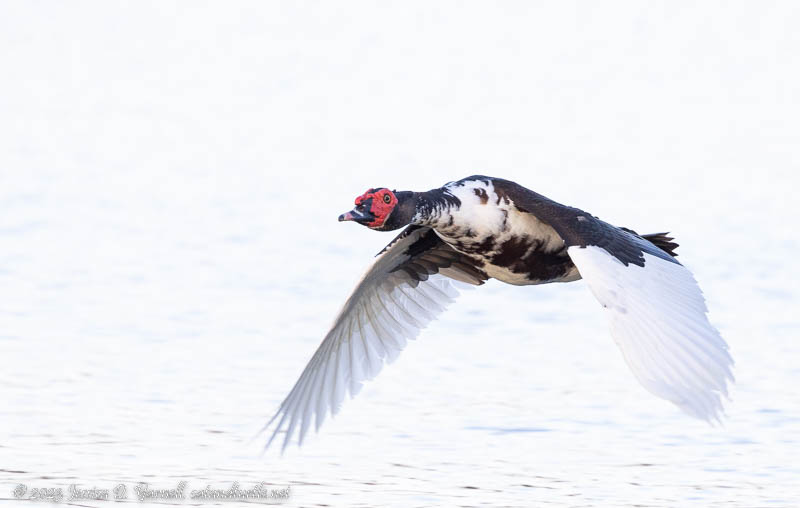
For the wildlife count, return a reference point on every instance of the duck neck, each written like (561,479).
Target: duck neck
(434,207)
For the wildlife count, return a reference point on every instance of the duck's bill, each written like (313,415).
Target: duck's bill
(356,216)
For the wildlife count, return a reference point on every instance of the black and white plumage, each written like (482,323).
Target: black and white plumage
(479,228)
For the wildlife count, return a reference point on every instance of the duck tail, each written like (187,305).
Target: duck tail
(663,242)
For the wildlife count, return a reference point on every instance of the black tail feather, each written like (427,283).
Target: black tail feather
(663,242)
(660,240)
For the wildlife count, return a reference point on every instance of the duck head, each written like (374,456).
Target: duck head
(382,209)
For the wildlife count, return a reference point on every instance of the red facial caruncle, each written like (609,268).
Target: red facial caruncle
(378,202)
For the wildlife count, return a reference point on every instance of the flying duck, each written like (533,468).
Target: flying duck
(478,228)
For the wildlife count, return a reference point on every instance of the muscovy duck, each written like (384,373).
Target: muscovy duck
(482,227)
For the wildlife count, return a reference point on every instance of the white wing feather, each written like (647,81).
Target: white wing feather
(658,319)
(386,309)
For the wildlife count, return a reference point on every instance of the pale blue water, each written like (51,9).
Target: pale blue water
(170,180)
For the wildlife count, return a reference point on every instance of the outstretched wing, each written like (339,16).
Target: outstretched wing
(658,319)
(656,309)
(407,286)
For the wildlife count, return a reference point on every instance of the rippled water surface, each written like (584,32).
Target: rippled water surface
(170,178)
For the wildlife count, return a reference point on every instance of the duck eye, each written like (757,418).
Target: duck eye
(387,198)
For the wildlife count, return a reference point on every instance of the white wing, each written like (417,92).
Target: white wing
(658,319)
(408,285)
